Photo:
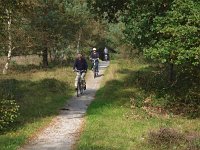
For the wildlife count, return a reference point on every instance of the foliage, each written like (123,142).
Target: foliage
(115,36)
(43,27)
(165,31)
(168,138)
(40,95)
(129,126)
(177,35)
(110,14)
(109,10)
(140,19)
(9,111)
(19,10)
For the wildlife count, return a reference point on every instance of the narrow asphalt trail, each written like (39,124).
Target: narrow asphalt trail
(64,130)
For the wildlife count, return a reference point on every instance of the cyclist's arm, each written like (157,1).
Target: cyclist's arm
(91,56)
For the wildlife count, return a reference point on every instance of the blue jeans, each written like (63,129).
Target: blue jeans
(79,76)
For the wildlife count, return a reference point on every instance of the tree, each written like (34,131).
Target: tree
(55,27)
(12,15)
(165,31)
(140,19)
(109,10)
(177,35)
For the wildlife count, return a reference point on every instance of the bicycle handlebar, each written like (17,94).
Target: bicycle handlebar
(79,70)
(94,59)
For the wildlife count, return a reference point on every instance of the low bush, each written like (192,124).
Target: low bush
(9,111)
(169,138)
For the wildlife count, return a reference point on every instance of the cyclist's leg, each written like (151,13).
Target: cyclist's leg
(83,79)
(76,79)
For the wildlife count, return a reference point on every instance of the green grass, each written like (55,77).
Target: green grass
(117,118)
(40,94)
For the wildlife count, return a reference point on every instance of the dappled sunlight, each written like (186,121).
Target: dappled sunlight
(180,97)
(130,104)
(40,95)
(36,99)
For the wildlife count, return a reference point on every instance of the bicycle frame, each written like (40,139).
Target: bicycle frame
(80,83)
(106,57)
(95,67)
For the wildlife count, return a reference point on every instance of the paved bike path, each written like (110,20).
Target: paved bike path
(63,131)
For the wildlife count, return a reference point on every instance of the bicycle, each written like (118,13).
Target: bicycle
(106,57)
(95,67)
(81,84)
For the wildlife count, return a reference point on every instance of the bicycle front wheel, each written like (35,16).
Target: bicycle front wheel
(81,87)
(78,89)
(94,71)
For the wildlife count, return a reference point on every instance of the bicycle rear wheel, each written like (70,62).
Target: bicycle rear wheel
(77,92)
(95,71)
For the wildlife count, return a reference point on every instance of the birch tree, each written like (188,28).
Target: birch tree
(11,14)
(10,47)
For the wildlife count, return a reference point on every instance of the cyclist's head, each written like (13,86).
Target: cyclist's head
(94,49)
(79,55)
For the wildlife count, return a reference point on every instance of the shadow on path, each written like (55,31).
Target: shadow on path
(63,131)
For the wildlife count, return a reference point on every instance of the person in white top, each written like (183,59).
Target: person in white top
(106,54)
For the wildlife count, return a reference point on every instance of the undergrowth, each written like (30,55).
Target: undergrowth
(39,94)
(137,108)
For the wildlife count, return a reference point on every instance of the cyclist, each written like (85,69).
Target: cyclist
(105,53)
(95,55)
(81,66)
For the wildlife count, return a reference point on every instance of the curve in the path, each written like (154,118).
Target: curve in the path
(63,131)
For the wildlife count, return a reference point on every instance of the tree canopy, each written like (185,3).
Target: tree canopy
(164,31)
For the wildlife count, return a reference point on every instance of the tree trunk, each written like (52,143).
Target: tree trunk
(50,56)
(9,41)
(45,57)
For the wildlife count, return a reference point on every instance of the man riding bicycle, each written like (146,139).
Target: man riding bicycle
(80,66)
(95,56)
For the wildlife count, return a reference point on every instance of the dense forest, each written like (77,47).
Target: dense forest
(163,33)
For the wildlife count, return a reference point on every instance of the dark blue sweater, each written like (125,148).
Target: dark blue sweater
(94,55)
(80,64)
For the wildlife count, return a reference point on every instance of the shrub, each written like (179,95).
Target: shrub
(168,138)
(9,111)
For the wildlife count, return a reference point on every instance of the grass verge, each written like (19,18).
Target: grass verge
(40,94)
(136,109)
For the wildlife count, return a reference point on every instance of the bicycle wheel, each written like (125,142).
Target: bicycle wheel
(81,87)
(77,91)
(94,71)
(78,88)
